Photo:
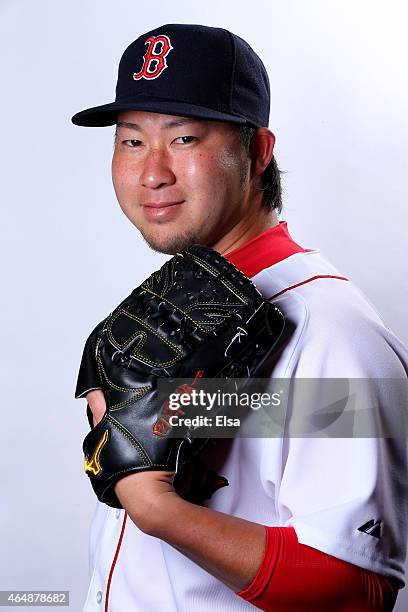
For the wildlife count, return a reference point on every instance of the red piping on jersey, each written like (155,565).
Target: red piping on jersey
(115,558)
(265,250)
(308,280)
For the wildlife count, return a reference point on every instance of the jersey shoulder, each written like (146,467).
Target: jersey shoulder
(332,330)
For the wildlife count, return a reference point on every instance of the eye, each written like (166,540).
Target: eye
(132,143)
(185,139)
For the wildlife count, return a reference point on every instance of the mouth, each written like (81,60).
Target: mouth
(162,204)
(161,210)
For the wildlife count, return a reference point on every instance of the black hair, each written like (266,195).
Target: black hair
(271,181)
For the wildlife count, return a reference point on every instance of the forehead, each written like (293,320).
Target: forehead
(146,121)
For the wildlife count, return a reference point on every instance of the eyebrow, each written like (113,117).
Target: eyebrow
(167,125)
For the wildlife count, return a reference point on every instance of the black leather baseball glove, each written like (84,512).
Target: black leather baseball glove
(196,316)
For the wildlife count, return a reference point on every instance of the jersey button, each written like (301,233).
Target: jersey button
(99,597)
(117,513)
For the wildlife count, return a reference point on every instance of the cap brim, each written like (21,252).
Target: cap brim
(100,116)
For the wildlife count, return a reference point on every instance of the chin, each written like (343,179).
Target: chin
(171,244)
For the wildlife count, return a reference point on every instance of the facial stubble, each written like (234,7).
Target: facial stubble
(172,244)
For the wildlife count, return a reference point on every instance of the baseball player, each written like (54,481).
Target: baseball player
(284,523)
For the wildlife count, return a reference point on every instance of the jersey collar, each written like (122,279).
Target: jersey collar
(265,250)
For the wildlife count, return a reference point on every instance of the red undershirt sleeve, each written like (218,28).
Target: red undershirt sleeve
(294,577)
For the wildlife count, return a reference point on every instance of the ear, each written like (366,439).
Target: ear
(261,150)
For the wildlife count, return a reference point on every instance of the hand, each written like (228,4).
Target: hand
(145,492)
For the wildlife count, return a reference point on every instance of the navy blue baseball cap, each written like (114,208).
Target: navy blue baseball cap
(189,70)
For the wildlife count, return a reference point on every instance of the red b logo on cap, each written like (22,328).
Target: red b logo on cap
(154,62)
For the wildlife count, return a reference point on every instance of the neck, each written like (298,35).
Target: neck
(245,230)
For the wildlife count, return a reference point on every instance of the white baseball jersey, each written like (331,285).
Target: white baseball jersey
(344,496)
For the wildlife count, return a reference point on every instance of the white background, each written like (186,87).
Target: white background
(338,71)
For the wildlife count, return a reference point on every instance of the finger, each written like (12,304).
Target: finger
(97,404)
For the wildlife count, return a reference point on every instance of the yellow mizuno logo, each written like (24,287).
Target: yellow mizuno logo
(92,464)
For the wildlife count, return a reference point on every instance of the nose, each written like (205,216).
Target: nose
(157,171)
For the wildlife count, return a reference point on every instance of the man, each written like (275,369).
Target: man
(305,523)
